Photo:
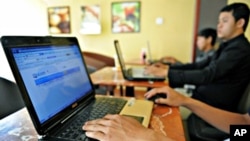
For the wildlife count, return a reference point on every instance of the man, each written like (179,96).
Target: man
(205,43)
(119,128)
(220,80)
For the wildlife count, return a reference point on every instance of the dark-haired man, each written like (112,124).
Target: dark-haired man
(221,79)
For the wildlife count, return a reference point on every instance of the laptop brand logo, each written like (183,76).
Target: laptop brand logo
(74,105)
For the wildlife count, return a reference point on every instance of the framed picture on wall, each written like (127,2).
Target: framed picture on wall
(90,20)
(59,20)
(126,17)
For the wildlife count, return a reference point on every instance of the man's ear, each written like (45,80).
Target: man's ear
(240,23)
(209,39)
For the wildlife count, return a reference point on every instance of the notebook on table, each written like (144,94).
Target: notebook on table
(57,90)
(133,73)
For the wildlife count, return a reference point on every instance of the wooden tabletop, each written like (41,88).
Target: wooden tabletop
(111,76)
(19,127)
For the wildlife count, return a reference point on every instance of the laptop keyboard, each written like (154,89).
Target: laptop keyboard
(102,107)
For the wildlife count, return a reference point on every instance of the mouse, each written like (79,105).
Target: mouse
(158,95)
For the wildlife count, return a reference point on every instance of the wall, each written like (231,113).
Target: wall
(208,17)
(173,37)
(21,17)
(247,32)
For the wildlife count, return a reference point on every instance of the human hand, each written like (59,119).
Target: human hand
(157,69)
(174,98)
(169,59)
(120,128)
(160,65)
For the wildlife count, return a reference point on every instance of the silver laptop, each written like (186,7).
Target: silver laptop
(151,60)
(57,90)
(133,73)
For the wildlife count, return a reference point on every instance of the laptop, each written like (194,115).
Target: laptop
(151,60)
(57,90)
(133,73)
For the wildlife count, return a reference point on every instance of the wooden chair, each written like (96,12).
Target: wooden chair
(96,61)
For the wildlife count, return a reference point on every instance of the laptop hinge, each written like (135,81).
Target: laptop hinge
(80,107)
(68,117)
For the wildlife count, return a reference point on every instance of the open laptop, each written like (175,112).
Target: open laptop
(57,90)
(151,60)
(133,73)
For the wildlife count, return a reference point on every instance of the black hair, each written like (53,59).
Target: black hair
(209,32)
(239,10)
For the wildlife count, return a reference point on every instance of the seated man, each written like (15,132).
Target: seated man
(221,79)
(119,128)
(205,43)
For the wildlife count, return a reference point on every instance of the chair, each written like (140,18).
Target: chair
(244,103)
(208,131)
(96,61)
(10,98)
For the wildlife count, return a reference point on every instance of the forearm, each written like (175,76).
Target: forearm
(195,77)
(219,118)
(183,67)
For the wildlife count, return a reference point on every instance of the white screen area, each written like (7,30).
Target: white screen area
(55,77)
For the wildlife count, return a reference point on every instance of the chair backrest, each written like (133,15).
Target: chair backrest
(102,60)
(244,103)
(10,98)
(93,63)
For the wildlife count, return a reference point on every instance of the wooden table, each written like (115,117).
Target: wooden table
(110,76)
(19,127)
(139,62)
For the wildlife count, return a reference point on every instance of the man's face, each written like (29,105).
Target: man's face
(226,26)
(201,42)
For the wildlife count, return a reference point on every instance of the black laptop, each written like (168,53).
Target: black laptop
(133,73)
(57,90)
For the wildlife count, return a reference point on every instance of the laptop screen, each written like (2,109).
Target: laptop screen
(54,77)
(119,55)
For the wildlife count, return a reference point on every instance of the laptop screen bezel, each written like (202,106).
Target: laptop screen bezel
(121,60)
(9,42)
